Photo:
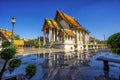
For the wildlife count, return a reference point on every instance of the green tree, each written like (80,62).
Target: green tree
(17,37)
(113,43)
(35,42)
(6,44)
(41,44)
(6,54)
(30,70)
(38,43)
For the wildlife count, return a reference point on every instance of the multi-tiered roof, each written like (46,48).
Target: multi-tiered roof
(73,24)
(5,34)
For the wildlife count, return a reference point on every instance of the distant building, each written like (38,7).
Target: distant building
(64,32)
(95,43)
(6,35)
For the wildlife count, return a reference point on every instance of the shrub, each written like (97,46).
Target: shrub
(14,63)
(113,43)
(30,70)
(6,44)
(8,53)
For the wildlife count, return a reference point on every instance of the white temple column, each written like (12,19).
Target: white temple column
(70,38)
(81,38)
(63,37)
(50,35)
(86,40)
(58,38)
(77,36)
(67,37)
(54,35)
(44,37)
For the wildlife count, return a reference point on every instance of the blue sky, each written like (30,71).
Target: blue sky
(98,16)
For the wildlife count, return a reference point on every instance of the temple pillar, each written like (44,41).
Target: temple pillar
(56,35)
(70,38)
(50,35)
(76,36)
(86,40)
(81,38)
(67,37)
(63,37)
(44,38)
(79,35)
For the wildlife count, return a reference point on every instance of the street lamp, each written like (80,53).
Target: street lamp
(13,20)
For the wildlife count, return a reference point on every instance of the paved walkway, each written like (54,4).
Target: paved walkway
(38,50)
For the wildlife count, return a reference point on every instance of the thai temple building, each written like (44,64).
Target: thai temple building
(96,43)
(6,35)
(64,32)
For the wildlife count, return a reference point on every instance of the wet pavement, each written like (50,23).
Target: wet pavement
(84,66)
(69,65)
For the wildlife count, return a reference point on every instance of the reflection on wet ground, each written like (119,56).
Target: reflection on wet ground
(80,65)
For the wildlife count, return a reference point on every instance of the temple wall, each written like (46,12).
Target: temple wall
(80,47)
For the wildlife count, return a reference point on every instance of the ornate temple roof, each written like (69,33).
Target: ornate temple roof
(68,32)
(92,39)
(51,24)
(3,36)
(71,21)
(18,42)
(6,34)
(48,23)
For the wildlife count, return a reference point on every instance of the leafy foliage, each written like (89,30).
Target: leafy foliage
(8,53)
(14,63)
(113,43)
(15,46)
(6,44)
(34,43)
(41,45)
(30,70)
(17,37)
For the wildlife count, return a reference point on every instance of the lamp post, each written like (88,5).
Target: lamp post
(13,20)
